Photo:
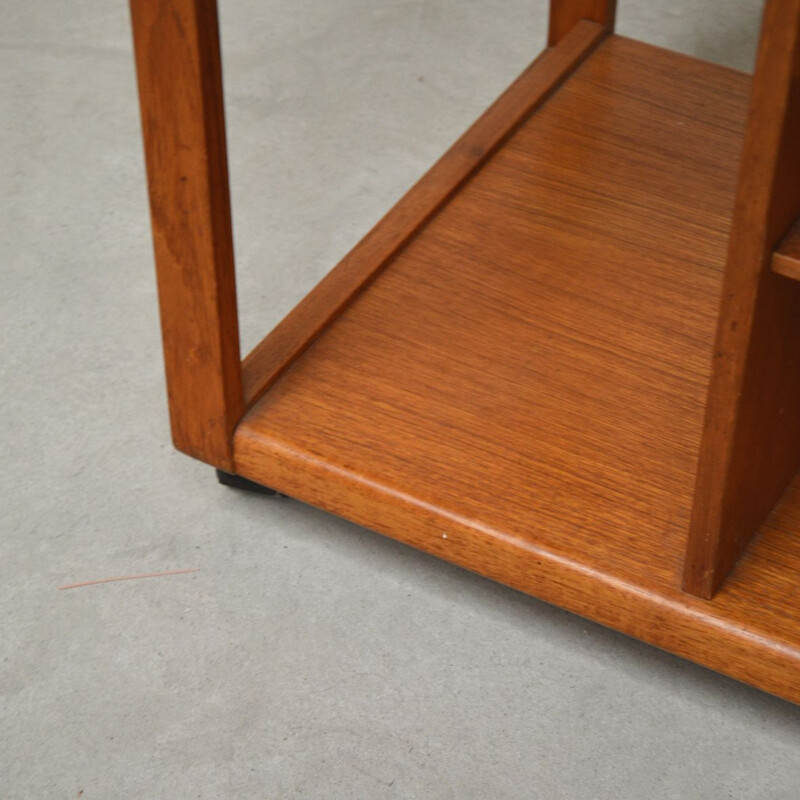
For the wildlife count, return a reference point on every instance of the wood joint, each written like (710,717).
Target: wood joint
(786,258)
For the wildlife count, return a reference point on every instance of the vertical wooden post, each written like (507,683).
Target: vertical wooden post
(180,92)
(751,440)
(565,14)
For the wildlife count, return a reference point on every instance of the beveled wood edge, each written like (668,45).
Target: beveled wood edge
(680,624)
(267,361)
(786,258)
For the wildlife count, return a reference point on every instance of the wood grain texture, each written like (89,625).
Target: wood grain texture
(751,442)
(183,123)
(290,338)
(521,390)
(565,14)
(786,258)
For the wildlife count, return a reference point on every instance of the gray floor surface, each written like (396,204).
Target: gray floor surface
(308,658)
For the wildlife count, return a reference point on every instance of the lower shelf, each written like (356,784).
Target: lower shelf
(521,389)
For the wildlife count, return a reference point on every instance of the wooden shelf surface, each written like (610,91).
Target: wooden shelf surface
(521,389)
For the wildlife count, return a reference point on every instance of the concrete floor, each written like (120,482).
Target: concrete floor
(308,658)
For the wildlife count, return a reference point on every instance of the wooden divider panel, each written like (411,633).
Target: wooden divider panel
(751,440)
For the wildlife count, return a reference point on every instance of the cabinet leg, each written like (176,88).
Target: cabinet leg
(238,482)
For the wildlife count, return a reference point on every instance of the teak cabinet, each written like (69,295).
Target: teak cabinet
(568,359)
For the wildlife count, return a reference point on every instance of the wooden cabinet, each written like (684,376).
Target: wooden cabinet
(568,359)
